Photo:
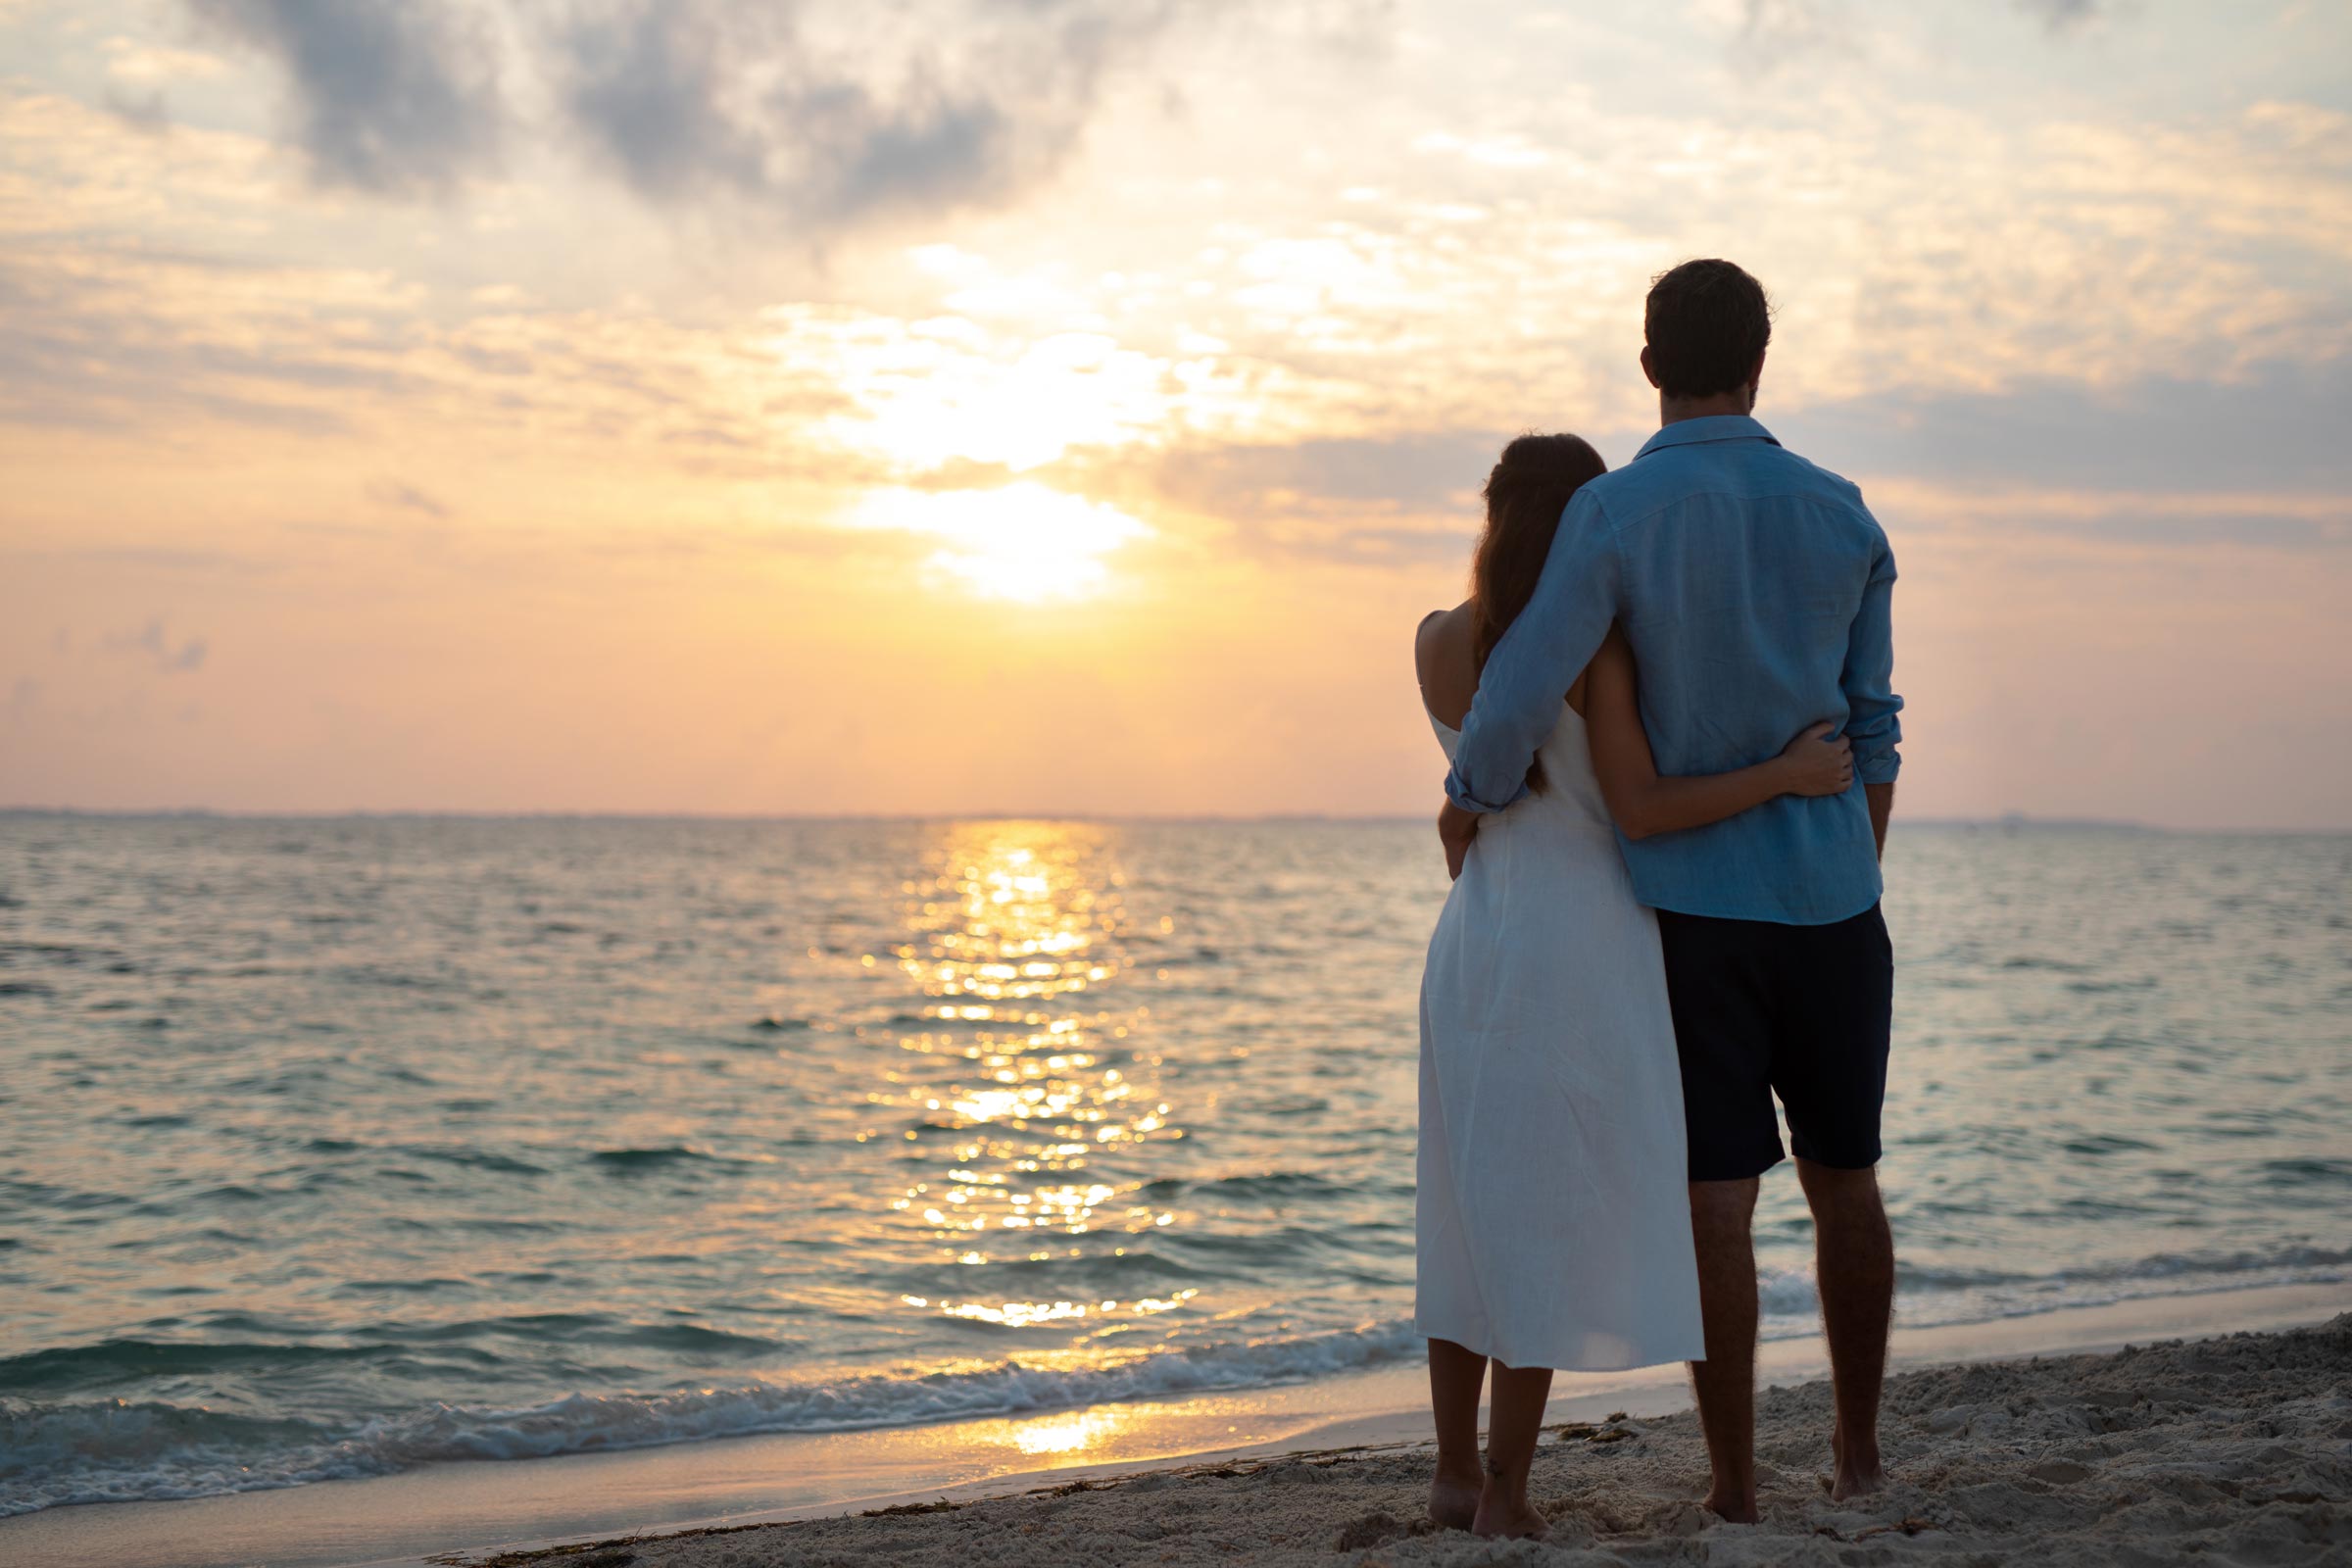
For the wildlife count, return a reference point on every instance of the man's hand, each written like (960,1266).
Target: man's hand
(1455,829)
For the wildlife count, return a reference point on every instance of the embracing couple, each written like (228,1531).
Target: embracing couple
(1673,743)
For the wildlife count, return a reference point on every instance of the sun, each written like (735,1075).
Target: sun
(1021,542)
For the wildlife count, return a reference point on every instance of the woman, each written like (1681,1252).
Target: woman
(1555,1226)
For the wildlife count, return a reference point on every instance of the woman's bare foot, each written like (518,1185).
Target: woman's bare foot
(1732,1510)
(1503,1518)
(1453,1495)
(1859,1472)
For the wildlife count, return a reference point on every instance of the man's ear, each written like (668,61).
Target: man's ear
(1652,374)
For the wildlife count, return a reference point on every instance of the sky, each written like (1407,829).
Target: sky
(952,406)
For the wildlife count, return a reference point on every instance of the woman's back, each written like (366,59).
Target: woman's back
(1445,661)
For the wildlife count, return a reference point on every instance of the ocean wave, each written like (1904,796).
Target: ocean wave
(113,1361)
(623,1161)
(50,1454)
(1933,1297)
(120,1452)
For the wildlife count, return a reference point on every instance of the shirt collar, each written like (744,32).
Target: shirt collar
(1714,428)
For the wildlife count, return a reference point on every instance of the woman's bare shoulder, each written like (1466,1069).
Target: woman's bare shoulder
(1442,632)
(1442,661)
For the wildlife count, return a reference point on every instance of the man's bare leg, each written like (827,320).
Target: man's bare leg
(1854,1262)
(1721,1216)
(1456,1376)
(1514,1420)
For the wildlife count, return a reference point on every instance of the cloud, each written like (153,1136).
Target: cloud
(687,98)
(2060,14)
(146,110)
(1772,31)
(1420,473)
(132,60)
(151,641)
(2158,464)
(102,338)
(405,497)
(820,115)
(1375,547)
(645,87)
(398,99)
(2279,429)
(2228,527)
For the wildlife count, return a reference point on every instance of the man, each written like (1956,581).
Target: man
(1754,588)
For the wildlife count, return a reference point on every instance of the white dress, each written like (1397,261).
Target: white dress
(1554,1217)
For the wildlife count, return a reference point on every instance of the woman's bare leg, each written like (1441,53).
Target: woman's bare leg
(1514,1420)
(1455,1377)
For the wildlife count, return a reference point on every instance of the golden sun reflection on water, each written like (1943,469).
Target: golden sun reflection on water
(1068,1434)
(1015,938)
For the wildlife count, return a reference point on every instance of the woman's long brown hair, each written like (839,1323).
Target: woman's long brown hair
(1526,494)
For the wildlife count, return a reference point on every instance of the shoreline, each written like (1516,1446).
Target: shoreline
(2227,1448)
(470,1510)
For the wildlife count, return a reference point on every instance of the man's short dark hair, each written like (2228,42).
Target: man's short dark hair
(1707,324)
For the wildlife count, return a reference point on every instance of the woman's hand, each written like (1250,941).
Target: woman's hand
(1455,829)
(1815,764)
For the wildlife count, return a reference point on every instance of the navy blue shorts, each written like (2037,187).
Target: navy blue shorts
(1802,1012)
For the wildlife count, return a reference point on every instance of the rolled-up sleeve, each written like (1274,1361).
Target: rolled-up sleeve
(1872,707)
(1528,674)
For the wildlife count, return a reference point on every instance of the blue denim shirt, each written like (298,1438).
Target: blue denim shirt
(1754,588)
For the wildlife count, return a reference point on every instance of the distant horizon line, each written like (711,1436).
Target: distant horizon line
(2007,819)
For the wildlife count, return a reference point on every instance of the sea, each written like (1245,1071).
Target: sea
(340,1147)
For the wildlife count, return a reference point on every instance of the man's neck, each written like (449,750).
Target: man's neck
(1674,411)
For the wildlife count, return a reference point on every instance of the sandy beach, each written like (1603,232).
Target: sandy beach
(2232,1449)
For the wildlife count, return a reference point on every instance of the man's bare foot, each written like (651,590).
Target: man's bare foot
(1454,1496)
(1852,1483)
(1732,1510)
(1500,1518)
(1859,1472)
